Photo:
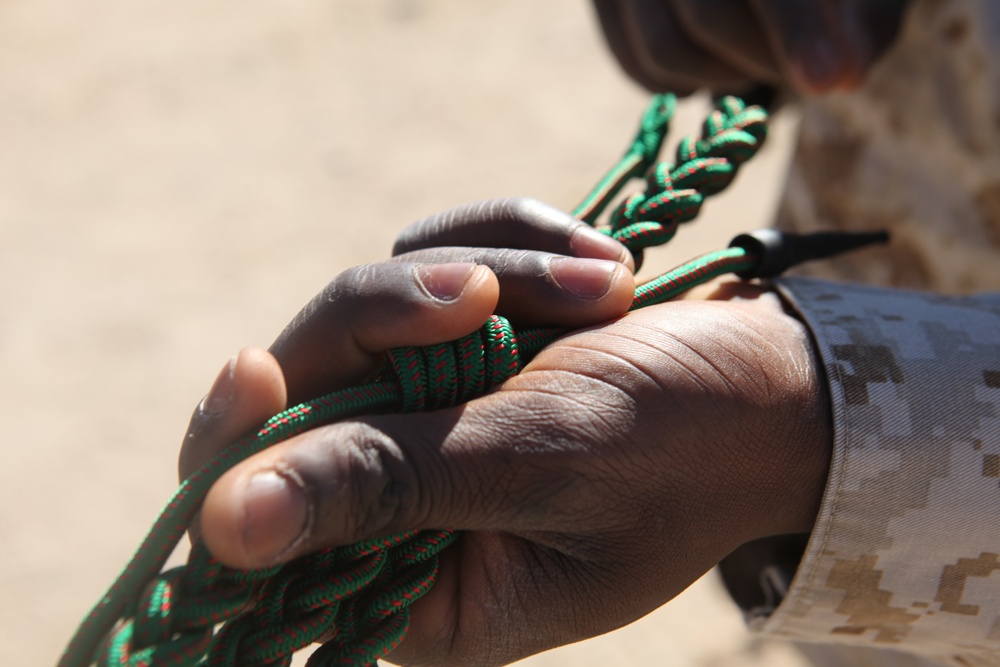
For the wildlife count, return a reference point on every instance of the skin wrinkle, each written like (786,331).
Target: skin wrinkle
(371,469)
(578,626)
(596,410)
(740,459)
(461,555)
(600,439)
(762,341)
(757,422)
(541,420)
(489,594)
(753,371)
(495,480)
(701,380)
(664,389)
(529,500)
(693,374)
(539,566)
(552,445)
(720,372)
(516,553)
(633,401)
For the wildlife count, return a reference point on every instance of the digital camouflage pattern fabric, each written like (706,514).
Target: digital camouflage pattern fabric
(903,567)
(906,551)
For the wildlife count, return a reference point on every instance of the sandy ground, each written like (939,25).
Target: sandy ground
(177,179)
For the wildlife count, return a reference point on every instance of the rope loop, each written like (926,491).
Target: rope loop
(175,613)
(355,597)
(440,376)
(182,650)
(653,129)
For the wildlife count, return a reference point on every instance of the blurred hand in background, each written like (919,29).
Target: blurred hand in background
(811,46)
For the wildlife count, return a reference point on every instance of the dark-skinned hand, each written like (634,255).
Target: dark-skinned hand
(731,45)
(625,461)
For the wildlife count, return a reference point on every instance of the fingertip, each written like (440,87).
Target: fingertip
(470,290)
(622,290)
(249,389)
(584,278)
(444,282)
(259,368)
(259,391)
(451,281)
(484,289)
(253,519)
(619,297)
(589,243)
(597,289)
(220,524)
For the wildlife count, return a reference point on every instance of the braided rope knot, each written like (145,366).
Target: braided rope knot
(730,136)
(440,376)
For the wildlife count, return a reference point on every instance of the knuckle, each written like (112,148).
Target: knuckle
(533,216)
(382,486)
(351,283)
(506,261)
(426,232)
(522,207)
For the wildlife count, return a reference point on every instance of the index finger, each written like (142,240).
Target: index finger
(519,223)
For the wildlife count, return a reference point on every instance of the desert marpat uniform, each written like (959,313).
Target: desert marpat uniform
(905,556)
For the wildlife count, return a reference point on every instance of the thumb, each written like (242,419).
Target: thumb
(491,464)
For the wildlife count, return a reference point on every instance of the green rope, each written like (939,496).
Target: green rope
(356,598)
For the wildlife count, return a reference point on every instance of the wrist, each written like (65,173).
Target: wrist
(805,464)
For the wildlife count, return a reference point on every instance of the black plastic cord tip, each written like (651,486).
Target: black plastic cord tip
(781,250)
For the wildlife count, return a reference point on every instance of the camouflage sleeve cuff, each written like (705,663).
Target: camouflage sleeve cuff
(906,550)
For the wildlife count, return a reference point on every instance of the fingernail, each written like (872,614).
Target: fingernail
(585,278)
(820,64)
(588,242)
(445,282)
(277,516)
(220,396)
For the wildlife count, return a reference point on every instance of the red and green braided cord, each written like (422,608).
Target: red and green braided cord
(356,598)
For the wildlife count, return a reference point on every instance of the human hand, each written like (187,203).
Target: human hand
(730,45)
(572,276)
(622,463)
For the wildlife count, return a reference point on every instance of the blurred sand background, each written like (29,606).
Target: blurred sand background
(177,179)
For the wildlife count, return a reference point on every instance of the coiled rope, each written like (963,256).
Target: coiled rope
(356,598)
